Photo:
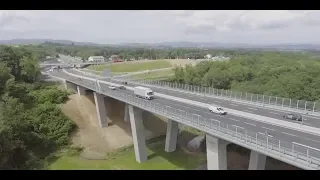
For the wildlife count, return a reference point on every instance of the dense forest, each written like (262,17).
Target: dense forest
(32,127)
(282,74)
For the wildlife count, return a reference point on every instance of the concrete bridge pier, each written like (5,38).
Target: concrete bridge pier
(257,161)
(138,136)
(101,109)
(126,113)
(171,136)
(81,90)
(69,85)
(216,153)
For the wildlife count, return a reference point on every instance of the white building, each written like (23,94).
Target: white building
(208,56)
(96,59)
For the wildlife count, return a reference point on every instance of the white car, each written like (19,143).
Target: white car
(217,110)
(112,87)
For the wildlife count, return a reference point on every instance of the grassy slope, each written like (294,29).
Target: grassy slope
(163,73)
(158,159)
(133,66)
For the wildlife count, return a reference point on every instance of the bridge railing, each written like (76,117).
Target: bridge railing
(258,99)
(299,154)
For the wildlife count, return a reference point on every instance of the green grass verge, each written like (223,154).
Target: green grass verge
(150,75)
(158,159)
(132,66)
(193,131)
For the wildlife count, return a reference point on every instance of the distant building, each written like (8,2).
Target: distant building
(96,59)
(208,56)
(114,58)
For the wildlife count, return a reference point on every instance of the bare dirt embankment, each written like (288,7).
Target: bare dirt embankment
(97,141)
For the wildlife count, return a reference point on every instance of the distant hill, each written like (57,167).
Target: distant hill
(179,44)
(40,41)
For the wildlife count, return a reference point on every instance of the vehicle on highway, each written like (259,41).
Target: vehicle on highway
(112,87)
(125,83)
(143,92)
(54,68)
(217,109)
(294,117)
(122,87)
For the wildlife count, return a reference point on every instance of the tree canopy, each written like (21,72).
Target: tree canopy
(31,124)
(279,74)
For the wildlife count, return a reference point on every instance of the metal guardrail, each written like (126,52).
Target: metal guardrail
(291,104)
(293,153)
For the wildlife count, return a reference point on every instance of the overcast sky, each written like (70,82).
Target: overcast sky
(109,27)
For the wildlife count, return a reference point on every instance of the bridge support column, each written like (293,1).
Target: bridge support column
(216,153)
(138,137)
(257,161)
(171,136)
(101,109)
(65,85)
(126,113)
(81,90)
(69,85)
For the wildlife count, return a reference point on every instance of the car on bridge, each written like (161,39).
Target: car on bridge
(217,109)
(294,117)
(112,87)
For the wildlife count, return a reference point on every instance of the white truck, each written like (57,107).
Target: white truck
(143,92)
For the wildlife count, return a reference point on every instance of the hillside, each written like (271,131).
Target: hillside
(173,44)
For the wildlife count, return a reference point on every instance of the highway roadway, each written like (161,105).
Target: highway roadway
(308,120)
(281,133)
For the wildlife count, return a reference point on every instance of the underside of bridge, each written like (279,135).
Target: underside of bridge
(216,148)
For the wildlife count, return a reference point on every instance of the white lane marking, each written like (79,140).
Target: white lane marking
(233,119)
(249,123)
(248,111)
(202,111)
(252,108)
(289,134)
(233,104)
(217,101)
(274,113)
(269,129)
(311,140)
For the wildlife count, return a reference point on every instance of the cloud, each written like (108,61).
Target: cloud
(228,20)
(157,26)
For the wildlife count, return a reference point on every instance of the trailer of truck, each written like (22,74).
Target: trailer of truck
(143,92)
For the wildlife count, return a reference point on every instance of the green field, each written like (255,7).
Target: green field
(163,73)
(124,159)
(133,66)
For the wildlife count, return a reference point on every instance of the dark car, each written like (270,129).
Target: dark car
(122,87)
(124,83)
(293,117)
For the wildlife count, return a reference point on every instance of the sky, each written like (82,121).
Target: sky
(146,26)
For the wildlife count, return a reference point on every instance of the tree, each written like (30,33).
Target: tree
(30,69)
